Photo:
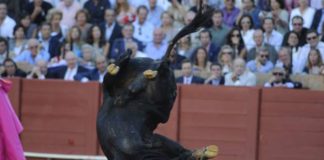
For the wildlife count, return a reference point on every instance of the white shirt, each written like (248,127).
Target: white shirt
(143,32)
(101,76)
(6,28)
(301,60)
(109,30)
(70,73)
(246,79)
(154,52)
(275,39)
(248,39)
(308,17)
(187,80)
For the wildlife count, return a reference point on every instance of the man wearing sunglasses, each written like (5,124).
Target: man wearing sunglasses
(278,79)
(261,64)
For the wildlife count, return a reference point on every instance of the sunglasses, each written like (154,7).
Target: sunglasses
(264,56)
(277,74)
(235,35)
(297,24)
(311,38)
(246,22)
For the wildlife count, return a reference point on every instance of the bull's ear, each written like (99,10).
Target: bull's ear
(163,66)
(124,58)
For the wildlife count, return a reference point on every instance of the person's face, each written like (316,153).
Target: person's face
(152,3)
(75,33)
(33,47)
(166,19)
(128,32)
(283,56)
(25,21)
(184,40)
(68,3)
(186,69)
(258,37)
(216,70)
(96,33)
(109,16)
(247,4)
(293,39)
(313,57)
(217,19)
(10,68)
(312,39)
(81,18)
(246,23)
(235,37)
(158,36)
(87,55)
(274,4)
(229,4)
(71,61)
(278,76)
(297,25)
(38,2)
(263,57)
(268,25)
(239,68)
(3,47)
(46,31)
(201,55)
(303,3)
(226,56)
(142,14)
(204,38)
(56,19)
(20,33)
(101,64)
(3,10)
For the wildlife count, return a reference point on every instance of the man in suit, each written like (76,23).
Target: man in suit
(118,47)
(205,38)
(69,71)
(187,75)
(97,74)
(112,30)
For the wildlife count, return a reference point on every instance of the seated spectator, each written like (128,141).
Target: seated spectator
(11,69)
(88,55)
(261,64)
(33,53)
(118,47)
(70,70)
(97,40)
(305,11)
(249,8)
(125,12)
(240,76)
(230,13)
(318,19)
(187,74)
(225,58)
(143,29)
(184,47)
(7,24)
(271,36)
(279,15)
(3,50)
(297,23)
(278,79)
(157,48)
(284,60)
(194,37)
(81,21)
(205,38)
(17,44)
(201,64)
(74,40)
(96,74)
(96,10)
(178,11)
(315,64)
(39,71)
(175,60)
(38,10)
(54,18)
(235,41)
(135,52)
(154,12)
(218,30)
(169,27)
(49,43)
(29,27)
(245,25)
(258,38)
(69,9)
(216,77)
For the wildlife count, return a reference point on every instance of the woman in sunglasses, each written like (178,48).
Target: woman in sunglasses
(235,40)
(278,79)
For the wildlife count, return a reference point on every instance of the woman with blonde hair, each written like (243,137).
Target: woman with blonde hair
(168,26)
(315,63)
(54,18)
(74,40)
(225,58)
(201,63)
(81,20)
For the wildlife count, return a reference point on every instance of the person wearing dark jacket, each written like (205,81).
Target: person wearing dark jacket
(216,77)
(11,69)
(187,75)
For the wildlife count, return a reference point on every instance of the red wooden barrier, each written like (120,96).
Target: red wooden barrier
(291,125)
(224,116)
(60,116)
(14,94)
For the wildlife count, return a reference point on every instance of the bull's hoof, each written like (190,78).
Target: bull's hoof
(150,74)
(208,152)
(113,69)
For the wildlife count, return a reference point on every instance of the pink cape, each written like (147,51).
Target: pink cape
(10,127)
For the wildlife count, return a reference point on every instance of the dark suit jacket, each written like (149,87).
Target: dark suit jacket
(18,73)
(221,82)
(213,52)
(317,19)
(118,47)
(176,64)
(195,80)
(116,33)
(96,11)
(92,75)
(59,72)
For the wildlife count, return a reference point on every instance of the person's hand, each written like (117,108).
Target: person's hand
(272,79)
(37,9)
(235,77)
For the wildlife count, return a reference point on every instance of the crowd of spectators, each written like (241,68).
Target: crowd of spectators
(77,39)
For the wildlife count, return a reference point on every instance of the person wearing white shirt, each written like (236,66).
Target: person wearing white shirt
(155,11)
(143,29)
(69,9)
(312,42)
(157,48)
(271,36)
(240,75)
(6,23)
(135,52)
(305,11)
